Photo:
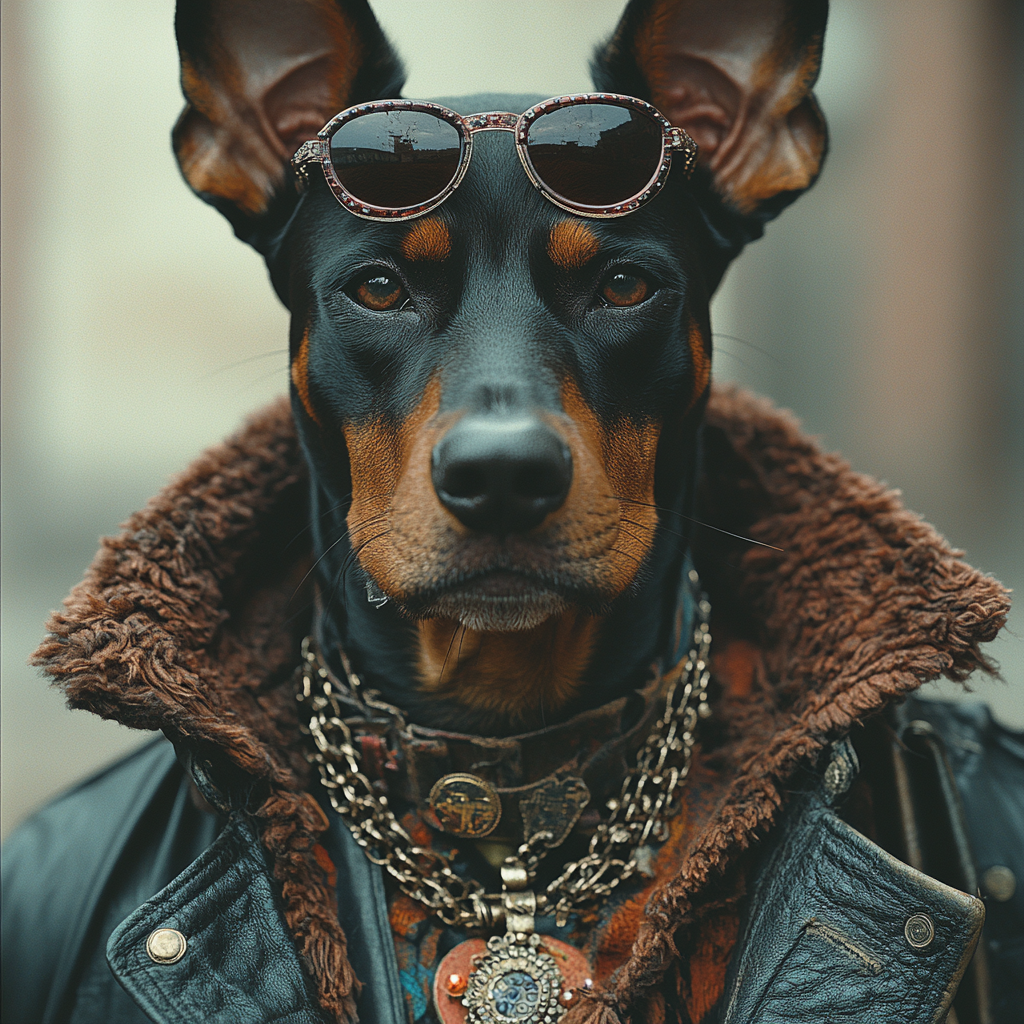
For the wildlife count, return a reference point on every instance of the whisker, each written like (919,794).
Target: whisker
(757,348)
(355,552)
(699,522)
(732,355)
(349,560)
(619,551)
(447,655)
(323,515)
(356,527)
(633,535)
(309,571)
(662,526)
(261,379)
(243,362)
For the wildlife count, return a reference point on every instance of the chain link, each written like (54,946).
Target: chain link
(638,816)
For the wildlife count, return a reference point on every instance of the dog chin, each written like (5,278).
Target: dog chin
(507,613)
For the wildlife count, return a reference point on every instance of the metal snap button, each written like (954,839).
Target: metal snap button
(999,882)
(166,946)
(919,931)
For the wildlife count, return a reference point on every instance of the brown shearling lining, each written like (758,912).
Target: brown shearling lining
(182,624)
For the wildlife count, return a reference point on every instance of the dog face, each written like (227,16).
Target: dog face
(493,381)
(496,399)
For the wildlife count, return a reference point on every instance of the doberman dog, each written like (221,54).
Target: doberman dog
(500,399)
(500,365)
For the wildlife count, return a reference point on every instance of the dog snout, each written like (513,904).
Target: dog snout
(501,474)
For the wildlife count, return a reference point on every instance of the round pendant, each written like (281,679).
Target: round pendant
(465,805)
(506,981)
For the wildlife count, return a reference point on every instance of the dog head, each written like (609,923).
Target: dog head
(499,401)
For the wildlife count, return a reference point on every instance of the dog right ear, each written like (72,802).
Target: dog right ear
(737,75)
(262,76)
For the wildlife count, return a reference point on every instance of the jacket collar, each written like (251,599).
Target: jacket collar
(187,622)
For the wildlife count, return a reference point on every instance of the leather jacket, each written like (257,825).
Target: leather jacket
(824,937)
(855,908)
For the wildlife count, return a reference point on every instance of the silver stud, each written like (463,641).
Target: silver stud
(166,946)
(999,882)
(919,931)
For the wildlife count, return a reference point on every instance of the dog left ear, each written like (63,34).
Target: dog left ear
(737,75)
(262,76)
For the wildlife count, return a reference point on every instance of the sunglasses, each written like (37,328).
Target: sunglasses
(594,154)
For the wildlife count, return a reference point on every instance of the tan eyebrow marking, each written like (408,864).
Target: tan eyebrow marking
(428,239)
(300,377)
(571,244)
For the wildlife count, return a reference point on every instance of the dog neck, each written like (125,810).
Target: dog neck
(446,675)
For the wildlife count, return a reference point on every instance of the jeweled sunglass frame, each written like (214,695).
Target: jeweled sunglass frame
(318,150)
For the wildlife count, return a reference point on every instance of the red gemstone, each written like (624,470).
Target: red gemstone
(457,985)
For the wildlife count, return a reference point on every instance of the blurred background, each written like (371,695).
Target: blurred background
(886,308)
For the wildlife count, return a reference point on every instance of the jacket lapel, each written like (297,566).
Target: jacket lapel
(363,913)
(840,930)
(239,963)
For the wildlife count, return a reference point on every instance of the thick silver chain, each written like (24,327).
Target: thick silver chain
(637,816)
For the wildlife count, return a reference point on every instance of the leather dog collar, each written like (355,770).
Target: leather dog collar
(597,746)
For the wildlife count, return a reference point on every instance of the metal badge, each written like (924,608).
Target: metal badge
(465,806)
(554,807)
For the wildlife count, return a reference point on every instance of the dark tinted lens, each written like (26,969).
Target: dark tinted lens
(595,154)
(396,158)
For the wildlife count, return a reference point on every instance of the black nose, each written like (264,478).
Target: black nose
(501,474)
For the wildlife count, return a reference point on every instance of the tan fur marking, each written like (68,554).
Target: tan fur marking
(409,542)
(513,678)
(572,244)
(778,144)
(204,148)
(235,135)
(428,239)
(701,363)
(390,466)
(627,451)
(300,377)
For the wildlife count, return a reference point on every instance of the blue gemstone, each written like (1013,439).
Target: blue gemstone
(516,995)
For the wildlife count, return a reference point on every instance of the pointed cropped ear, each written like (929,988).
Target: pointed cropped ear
(737,75)
(262,76)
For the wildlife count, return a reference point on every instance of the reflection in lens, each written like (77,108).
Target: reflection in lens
(595,154)
(396,158)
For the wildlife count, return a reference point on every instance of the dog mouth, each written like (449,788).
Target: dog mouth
(498,600)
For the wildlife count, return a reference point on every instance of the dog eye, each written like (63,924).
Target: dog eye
(381,291)
(624,289)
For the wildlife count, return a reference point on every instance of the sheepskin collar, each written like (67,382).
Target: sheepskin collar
(189,621)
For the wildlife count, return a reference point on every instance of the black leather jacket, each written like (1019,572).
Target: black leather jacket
(826,933)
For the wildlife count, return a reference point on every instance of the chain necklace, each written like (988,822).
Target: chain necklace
(513,972)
